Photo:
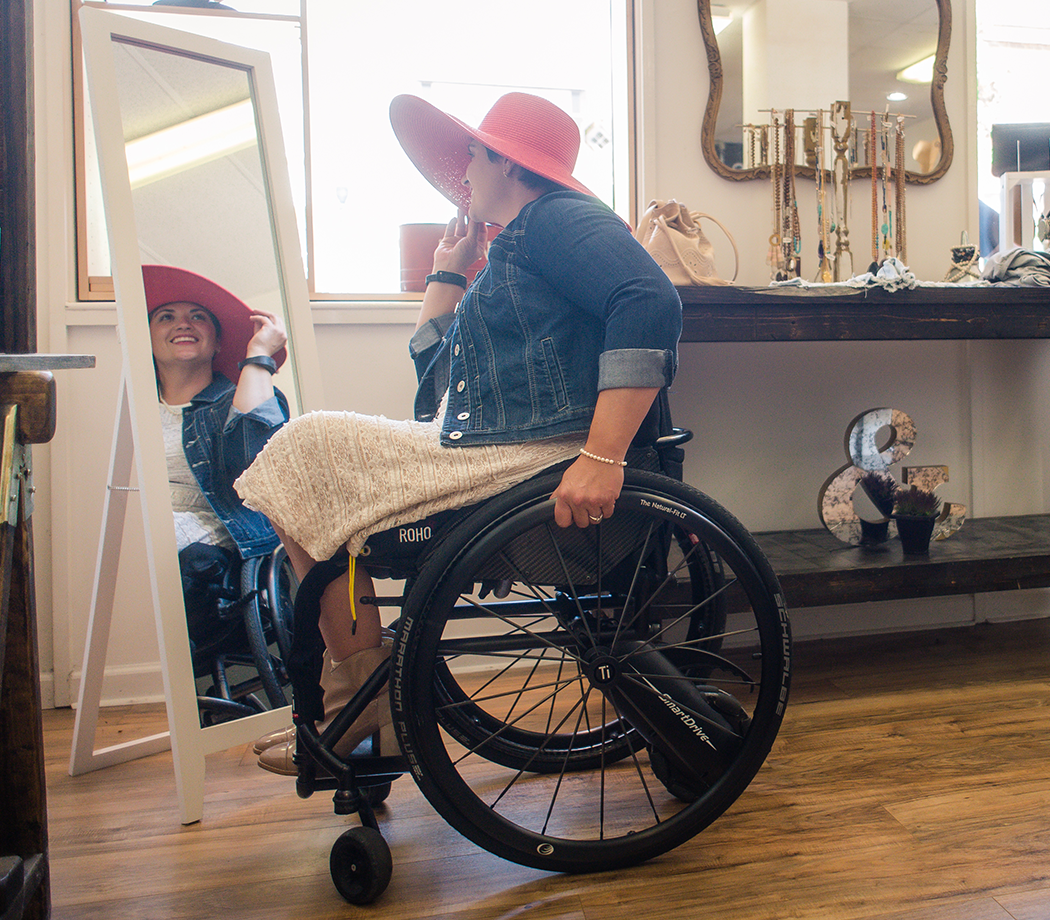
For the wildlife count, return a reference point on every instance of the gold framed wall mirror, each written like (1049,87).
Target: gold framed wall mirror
(194,176)
(866,44)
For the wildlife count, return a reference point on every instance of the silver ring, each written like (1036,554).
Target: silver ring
(595,520)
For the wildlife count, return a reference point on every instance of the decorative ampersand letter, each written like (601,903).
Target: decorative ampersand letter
(836,506)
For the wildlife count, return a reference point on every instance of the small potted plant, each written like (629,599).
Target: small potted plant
(915,512)
(882,489)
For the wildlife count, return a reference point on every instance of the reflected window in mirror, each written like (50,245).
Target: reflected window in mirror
(1013,41)
(267,25)
(355,187)
(878,56)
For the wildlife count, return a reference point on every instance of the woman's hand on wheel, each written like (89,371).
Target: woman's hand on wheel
(587,493)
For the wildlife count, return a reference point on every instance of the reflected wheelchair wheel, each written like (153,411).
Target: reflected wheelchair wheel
(576,700)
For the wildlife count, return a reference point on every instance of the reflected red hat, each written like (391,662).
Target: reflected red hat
(166,284)
(526,129)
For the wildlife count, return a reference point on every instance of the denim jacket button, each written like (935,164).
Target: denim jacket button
(455,435)
(461,386)
(455,350)
(463,416)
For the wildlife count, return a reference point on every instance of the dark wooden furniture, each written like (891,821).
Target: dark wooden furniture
(815,569)
(785,314)
(27,416)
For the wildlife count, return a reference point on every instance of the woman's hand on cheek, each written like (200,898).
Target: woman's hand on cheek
(463,244)
(587,493)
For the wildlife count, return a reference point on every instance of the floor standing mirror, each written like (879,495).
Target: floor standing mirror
(193,175)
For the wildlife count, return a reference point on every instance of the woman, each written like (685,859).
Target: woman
(556,351)
(212,428)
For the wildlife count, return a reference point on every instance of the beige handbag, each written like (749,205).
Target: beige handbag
(671,234)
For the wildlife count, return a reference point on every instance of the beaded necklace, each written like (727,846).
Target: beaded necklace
(822,209)
(886,227)
(792,230)
(901,241)
(775,243)
(873,160)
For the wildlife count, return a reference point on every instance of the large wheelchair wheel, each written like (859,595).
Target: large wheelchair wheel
(576,700)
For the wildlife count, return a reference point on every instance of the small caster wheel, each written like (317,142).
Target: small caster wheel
(376,795)
(361,865)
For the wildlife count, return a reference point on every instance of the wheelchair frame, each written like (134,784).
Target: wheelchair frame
(634,679)
(254,613)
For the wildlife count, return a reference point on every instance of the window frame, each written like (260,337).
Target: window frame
(99,288)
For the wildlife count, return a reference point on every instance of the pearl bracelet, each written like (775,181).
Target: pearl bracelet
(587,453)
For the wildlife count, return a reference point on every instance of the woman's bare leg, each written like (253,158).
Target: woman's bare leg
(336,622)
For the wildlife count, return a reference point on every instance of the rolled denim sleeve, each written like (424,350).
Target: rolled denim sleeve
(427,339)
(246,433)
(590,256)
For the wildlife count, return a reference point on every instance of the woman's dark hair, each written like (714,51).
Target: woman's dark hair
(529,179)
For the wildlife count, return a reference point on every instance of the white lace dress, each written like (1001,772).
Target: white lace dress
(333,478)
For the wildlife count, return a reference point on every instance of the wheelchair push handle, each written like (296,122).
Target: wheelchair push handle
(676,438)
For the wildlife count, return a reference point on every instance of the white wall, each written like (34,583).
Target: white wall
(769,418)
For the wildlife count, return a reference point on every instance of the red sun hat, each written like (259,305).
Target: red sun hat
(166,284)
(526,129)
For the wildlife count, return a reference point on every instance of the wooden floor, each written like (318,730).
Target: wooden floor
(911,779)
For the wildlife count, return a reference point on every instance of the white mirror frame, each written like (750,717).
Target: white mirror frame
(137,433)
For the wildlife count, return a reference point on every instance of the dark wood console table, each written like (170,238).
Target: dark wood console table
(27,416)
(815,569)
(784,314)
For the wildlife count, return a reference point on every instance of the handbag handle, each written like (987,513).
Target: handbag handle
(674,243)
(696,215)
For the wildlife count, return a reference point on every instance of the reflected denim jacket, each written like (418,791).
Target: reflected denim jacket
(568,305)
(220,443)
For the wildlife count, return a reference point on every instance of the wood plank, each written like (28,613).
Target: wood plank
(739,314)
(987,554)
(909,781)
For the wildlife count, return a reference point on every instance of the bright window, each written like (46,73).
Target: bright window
(355,187)
(1013,45)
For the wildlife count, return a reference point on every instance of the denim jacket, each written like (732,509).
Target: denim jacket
(220,443)
(568,305)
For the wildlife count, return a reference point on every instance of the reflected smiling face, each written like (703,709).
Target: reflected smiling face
(183,333)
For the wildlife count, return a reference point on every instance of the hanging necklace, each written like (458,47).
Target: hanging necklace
(775,242)
(902,241)
(873,161)
(824,272)
(886,227)
(792,231)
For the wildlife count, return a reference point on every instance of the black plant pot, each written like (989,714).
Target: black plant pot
(874,532)
(915,534)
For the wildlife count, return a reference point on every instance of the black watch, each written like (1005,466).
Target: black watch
(261,360)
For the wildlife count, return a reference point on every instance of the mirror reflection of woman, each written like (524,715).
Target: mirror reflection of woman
(215,358)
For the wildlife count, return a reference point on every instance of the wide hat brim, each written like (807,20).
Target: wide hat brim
(166,284)
(528,130)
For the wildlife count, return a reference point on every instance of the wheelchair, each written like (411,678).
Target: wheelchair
(570,700)
(240,623)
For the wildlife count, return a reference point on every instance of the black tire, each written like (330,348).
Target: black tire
(707,702)
(361,865)
(258,641)
(281,587)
